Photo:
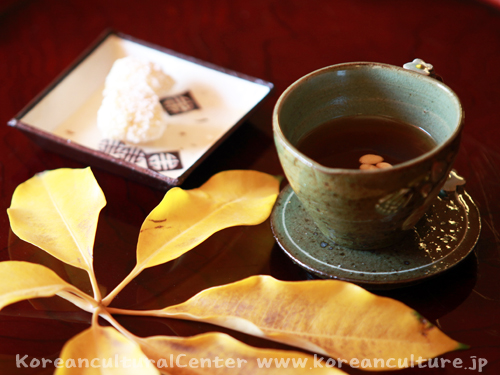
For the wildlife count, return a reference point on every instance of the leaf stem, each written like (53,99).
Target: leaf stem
(107,300)
(95,317)
(79,299)
(106,314)
(157,313)
(95,285)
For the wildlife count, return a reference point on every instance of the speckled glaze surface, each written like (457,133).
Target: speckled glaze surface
(367,209)
(444,236)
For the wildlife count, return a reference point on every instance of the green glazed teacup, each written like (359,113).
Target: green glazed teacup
(374,208)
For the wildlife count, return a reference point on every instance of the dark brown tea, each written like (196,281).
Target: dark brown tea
(340,143)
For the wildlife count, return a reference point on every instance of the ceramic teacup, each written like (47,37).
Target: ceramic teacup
(367,209)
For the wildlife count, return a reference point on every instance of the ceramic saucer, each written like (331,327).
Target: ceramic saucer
(442,238)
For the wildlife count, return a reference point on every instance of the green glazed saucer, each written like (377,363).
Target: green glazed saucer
(442,238)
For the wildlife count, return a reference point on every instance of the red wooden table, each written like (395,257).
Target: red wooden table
(278,41)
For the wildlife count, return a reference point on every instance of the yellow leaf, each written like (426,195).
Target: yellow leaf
(58,211)
(218,353)
(23,251)
(23,280)
(330,317)
(185,218)
(103,350)
(240,252)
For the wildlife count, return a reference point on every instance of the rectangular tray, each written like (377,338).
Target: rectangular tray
(207,104)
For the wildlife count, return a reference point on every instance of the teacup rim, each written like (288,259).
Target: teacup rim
(307,160)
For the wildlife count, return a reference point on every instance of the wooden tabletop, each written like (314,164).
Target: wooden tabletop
(278,41)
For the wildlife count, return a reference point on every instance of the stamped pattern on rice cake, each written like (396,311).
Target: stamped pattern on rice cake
(164,161)
(157,161)
(180,103)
